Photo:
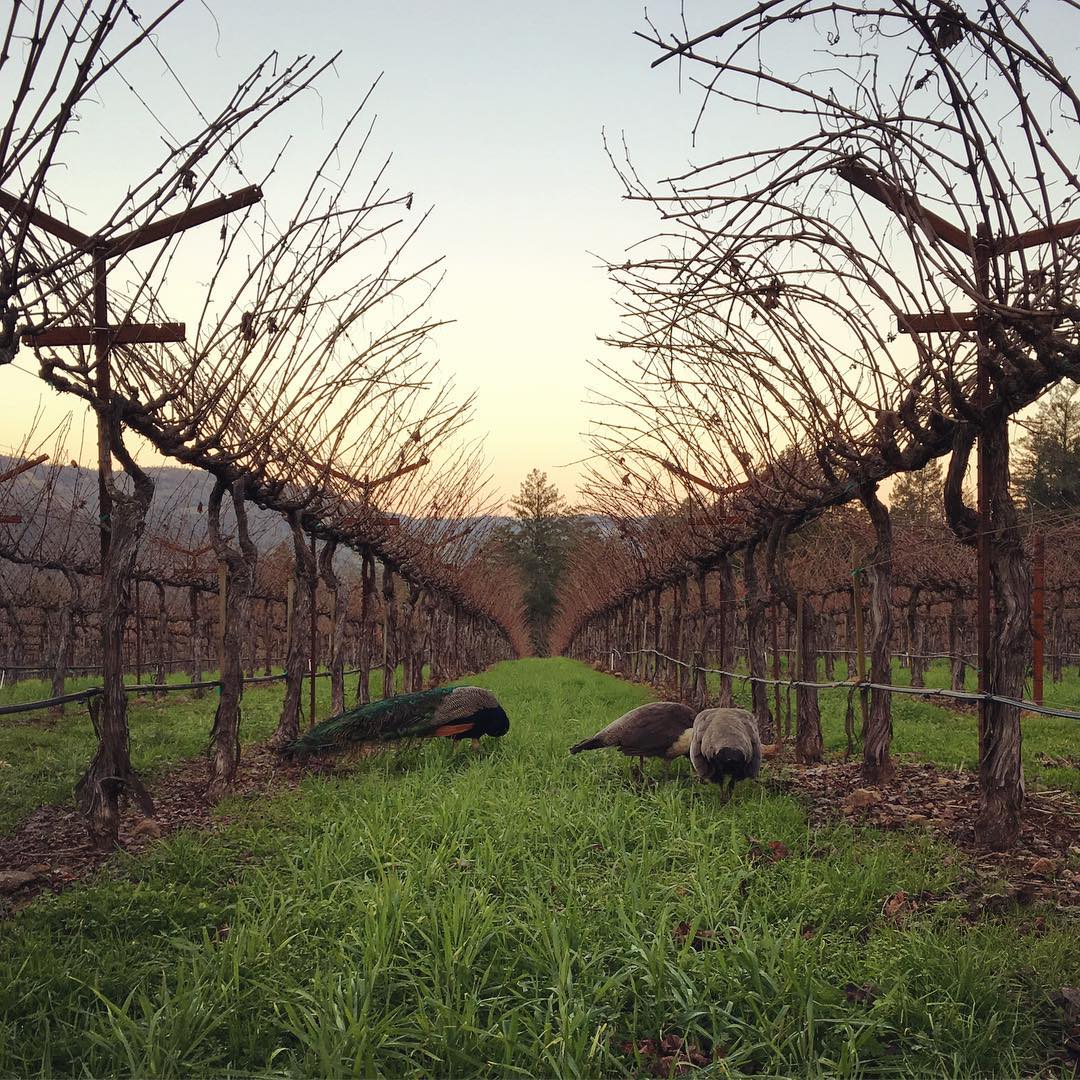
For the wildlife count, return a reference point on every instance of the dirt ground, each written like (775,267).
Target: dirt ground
(1044,867)
(49,850)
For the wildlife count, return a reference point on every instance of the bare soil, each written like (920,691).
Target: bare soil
(1044,866)
(49,849)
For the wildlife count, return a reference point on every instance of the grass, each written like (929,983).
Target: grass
(42,757)
(443,913)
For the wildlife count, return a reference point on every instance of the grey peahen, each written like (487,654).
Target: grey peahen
(658,729)
(725,746)
(456,712)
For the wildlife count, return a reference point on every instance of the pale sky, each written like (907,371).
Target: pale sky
(494,112)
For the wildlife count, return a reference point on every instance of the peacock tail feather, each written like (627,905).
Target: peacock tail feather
(402,717)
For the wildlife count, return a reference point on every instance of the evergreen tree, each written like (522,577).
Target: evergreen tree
(918,497)
(537,540)
(1046,472)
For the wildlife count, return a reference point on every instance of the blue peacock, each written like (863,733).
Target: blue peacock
(454,712)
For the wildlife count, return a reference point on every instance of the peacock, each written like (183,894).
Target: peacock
(455,712)
(658,729)
(725,746)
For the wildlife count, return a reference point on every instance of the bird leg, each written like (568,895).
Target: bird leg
(476,744)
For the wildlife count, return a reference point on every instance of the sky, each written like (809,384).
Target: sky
(494,112)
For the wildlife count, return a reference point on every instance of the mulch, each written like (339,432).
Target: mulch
(49,849)
(1043,867)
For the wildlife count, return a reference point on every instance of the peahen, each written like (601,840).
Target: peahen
(658,729)
(456,712)
(725,746)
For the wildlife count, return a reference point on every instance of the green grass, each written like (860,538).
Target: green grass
(42,757)
(510,913)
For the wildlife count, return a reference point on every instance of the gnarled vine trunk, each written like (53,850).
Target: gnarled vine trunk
(304,575)
(339,599)
(699,692)
(725,653)
(1001,770)
(956,625)
(755,645)
(389,631)
(110,774)
(808,740)
(239,565)
(65,638)
(877,762)
(162,639)
(196,645)
(367,628)
(916,660)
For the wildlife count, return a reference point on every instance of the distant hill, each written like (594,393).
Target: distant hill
(180,497)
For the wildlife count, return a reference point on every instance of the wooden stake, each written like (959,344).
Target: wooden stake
(138,635)
(860,644)
(223,599)
(314,629)
(982,401)
(290,603)
(1037,618)
(778,730)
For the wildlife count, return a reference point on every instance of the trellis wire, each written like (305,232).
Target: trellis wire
(848,684)
(144,688)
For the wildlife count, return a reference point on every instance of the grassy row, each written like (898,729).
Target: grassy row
(42,756)
(40,763)
(444,913)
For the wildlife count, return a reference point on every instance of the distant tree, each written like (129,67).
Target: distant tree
(917,497)
(537,540)
(1046,473)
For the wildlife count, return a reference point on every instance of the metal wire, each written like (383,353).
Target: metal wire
(144,688)
(848,684)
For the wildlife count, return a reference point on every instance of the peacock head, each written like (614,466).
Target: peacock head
(493,721)
(479,707)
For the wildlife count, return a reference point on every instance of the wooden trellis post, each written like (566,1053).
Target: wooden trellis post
(860,644)
(1037,618)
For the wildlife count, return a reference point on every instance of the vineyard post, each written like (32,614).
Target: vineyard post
(778,729)
(138,634)
(223,600)
(982,402)
(267,636)
(726,612)
(162,636)
(314,586)
(799,673)
(860,648)
(193,633)
(290,604)
(1037,618)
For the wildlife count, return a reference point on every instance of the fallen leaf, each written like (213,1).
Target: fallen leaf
(860,798)
(861,995)
(898,905)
